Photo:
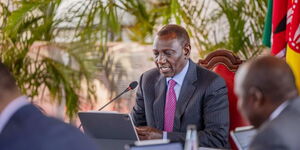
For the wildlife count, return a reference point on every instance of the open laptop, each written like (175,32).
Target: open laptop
(243,136)
(110,130)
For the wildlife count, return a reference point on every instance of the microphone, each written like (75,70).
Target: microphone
(131,86)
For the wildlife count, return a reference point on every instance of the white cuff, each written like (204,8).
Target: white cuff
(165,135)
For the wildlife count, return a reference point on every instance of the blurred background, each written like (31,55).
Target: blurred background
(75,55)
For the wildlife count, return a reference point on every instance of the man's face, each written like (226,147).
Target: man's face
(170,54)
(249,108)
(243,106)
(247,101)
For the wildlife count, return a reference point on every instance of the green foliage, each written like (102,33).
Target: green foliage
(236,25)
(35,21)
(244,24)
(145,19)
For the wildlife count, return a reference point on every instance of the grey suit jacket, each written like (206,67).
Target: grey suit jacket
(202,101)
(282,133)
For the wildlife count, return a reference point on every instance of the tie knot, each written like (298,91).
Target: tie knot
(172,83)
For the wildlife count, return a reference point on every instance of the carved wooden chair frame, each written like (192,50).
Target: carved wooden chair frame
(222,56)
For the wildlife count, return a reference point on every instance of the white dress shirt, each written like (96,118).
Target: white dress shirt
(10,109)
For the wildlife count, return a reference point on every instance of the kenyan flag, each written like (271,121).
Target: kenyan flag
(275,27)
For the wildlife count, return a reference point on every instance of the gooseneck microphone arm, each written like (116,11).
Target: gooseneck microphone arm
(131,86)
(126,90)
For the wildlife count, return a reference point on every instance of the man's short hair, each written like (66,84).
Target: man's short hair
(272,76)
(179,31)
(7,81)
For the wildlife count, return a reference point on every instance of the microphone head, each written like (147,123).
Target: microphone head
(132,85)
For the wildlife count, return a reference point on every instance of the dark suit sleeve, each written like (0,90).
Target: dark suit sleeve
(138,112)
(215,117)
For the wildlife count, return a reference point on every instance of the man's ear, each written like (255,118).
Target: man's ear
(187,49)
(256,97)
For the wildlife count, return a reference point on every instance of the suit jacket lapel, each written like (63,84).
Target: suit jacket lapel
(159,102)
(187,90)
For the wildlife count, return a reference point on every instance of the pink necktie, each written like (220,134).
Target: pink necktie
(170,107)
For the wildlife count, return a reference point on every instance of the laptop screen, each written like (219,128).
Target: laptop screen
(243,137)
(103,125)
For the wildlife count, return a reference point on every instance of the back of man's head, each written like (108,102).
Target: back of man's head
(177,31)
(262,85)
(273,77)
(8,85)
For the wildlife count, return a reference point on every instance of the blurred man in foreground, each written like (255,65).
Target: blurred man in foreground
(268,98)
(24,127)
(178,93)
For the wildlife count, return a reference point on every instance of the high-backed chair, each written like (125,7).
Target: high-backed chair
(225,63)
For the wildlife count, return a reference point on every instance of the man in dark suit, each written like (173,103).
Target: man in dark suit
(178,93)
(268,98)
(24,127)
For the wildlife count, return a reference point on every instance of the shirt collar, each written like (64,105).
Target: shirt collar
(278,110)
(10,109)
(180,76)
